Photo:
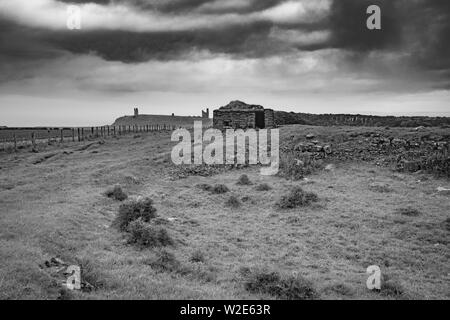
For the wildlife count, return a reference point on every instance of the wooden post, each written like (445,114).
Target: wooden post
(15,142)
(78,132)
(33,140)
(49,136)
(92,131)
(61,131)
(73,135)
(82,134)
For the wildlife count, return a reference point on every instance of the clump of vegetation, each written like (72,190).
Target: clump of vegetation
(447,224)
(233,202)
(263,187)
(244,180)
(296,166)
(220,189)
(91,276)
(165,261)
(297,197)
(392,288)
(340,289)
(408,211)
(197,256)
(116,193)
(135,209)
(205,187)
(148,236)
(282,287)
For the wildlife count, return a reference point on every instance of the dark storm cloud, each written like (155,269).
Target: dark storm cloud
(241,41)
(348,18)
(416,30)
(180,6)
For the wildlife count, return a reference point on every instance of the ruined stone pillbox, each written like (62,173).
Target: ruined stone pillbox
(239,115)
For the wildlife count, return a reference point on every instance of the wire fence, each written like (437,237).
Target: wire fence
(12,139)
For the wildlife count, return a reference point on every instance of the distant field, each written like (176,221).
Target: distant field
(53,204)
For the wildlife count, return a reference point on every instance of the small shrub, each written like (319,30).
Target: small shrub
(133,210)
(165,261)
(408,211)
(197,256)
(220,189)
(263,187)
(233,202)
(297,197)
(205,187)
(286,288)
(148,236)
(244,180)
(116,193)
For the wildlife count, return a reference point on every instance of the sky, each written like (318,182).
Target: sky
(182,56)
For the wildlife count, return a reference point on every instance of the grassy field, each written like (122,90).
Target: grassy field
(52,204)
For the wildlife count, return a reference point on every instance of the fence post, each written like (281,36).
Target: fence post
(49,136)
(15,142)
(73,135)
(33,141)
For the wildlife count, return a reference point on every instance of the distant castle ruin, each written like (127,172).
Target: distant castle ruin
(136,112)
(205,114)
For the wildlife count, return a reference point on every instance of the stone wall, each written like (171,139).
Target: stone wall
(241,119)
(233,119)
(269,118)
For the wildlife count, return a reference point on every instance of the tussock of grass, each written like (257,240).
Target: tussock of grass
(165,261)
(263,187)
(91,275)
(392,288)
(133,210)
(197,256)
(116,193)
(281,287)
(147,236)
(244,180)
(408,211)
(297,197)
(220,189)
(233,202)
(447,224)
